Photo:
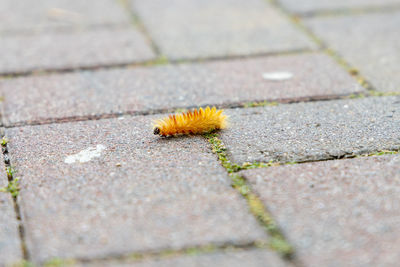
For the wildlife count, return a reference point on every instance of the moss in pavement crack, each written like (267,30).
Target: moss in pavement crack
(277,240)
(219,149)
(12,187)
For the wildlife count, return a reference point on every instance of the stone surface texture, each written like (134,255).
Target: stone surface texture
(110,187)
(313,131)
(307,6)
(234,258)
(41,15)
(208,28)
(10,248)
(336,213)
(371,44)
(42,98)
(78,49)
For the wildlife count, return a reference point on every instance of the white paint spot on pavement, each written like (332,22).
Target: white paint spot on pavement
(85,155)
(277,76)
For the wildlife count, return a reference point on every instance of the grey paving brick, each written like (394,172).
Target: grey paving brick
(234,258)
(310,6)
(208,28)
(51,14)
(110,187)
(22,53)
(161,87)
(336,213)
(313,131)
(10,248)
(371,44)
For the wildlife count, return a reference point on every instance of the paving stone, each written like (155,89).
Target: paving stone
(161,87)
(10,248)
(208,28)
(50,14)
(373,47)
(72,50)
(110,187)
(313,131)
(234,258)
(311,6)
(336,213)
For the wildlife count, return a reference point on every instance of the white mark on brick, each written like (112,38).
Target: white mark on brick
(85,155)
(277,76)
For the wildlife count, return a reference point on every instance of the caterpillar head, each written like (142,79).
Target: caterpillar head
(156,130)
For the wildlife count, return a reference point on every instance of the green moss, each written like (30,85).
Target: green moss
(23,263)
(380,153)
(219,149)
(377,93)
(10,172)
(136,256)
(282,246)
(56,262)
(353,71)
(356,96)
(200,250)
(4,141)
(12,187)
(168,253)
(260,104)
(372,93)
(161,60)
(255,165)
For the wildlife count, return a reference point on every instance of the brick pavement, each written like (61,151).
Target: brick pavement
(339,212)
(81,81)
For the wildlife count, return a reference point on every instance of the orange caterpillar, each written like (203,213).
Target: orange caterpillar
(191,122)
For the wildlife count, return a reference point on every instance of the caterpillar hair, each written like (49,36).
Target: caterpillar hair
(192,122)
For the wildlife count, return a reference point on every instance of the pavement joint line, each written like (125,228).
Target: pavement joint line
(277,242)
(259,165)
(162,253)
(348,11)
(137,22)
(297,21)
(43,72)
(160,60)
(246,104)
(13,189)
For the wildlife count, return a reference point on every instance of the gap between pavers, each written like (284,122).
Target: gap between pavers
(105,188)
(336,213)
(313,131)
(143,89)
(10,243)
(233,258)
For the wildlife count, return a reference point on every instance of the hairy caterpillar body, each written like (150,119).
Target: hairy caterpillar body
(192,122)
